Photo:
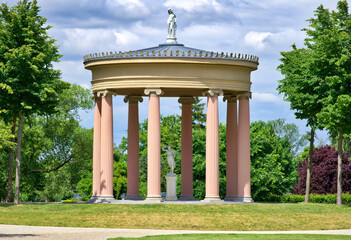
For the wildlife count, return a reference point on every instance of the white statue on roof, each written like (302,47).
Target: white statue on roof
(172,27)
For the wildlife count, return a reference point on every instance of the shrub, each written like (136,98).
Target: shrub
(324,172)
(70,201)
(316,198)
(292,198)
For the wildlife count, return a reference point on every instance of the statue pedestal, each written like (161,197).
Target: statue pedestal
(171,188)
(171,40)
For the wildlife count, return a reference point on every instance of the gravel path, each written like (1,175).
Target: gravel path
(14,232)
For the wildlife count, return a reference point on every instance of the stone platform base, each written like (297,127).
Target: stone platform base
(134,198)
(212,200)
(186,198)
(244,199)
(101,199)
(153,199)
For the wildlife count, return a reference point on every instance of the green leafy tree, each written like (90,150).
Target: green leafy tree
(56,149)
(199,117)
(329,38)
(69,146)
(300,87)
(273,167)
(26,56)
(7,140)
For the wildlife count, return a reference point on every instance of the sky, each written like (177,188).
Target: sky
(260,27)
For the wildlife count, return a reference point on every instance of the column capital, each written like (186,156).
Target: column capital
(230,98)
(244,96)
(105,93)
(95,97)
(186,100)
(153,91)
(133,99)
(213,92)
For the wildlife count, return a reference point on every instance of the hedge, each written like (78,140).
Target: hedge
(316,198)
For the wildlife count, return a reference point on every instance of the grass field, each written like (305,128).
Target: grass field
(239,237)
(240,217)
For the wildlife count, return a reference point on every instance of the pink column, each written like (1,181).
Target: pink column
(212,146)
(187,150)
(97,148)
(133,148)
(106,147)
(154,147)
(232,149)
(244,182)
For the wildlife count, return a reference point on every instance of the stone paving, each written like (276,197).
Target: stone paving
(14,232)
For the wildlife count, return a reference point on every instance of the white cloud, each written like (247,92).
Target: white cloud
(267,40)
(83,41)
(127,9)
(193,5)
(85,85)
(265,98)
(74,72)
(125,38)
(130,4)
(80,41)
(257,39)
(214,37)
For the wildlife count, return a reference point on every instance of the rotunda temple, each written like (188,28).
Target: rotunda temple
(173,70)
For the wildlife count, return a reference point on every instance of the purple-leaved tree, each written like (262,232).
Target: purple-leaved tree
(324,172)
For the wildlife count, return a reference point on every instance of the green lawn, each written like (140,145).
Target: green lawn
(236,217)
(239,237)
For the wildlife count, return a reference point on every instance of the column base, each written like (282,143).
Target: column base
(229,198)
(154,199)
(101,199)
(244,199)
(171,199)
(133,197)
(186,198)
(212,200)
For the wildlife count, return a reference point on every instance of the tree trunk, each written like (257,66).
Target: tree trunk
(18,157)
(309,168)
(9,182)
(339,186)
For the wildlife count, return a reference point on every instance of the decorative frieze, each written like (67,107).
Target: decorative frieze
(171,53)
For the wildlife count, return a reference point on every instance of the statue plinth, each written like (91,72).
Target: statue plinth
(171,40)
(171,180)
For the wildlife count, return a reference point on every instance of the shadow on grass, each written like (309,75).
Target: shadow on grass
(16,235)
(6,205)
(239,237)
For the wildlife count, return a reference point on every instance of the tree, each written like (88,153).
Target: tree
(67,155)
(330,44)
(300,87)
(273,168)
(317,78)
(199,118)
(26,56)
(5,134)
(324,172)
